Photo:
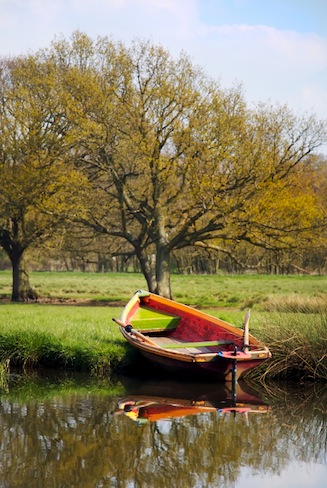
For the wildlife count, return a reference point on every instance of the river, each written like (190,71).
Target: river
(64,430)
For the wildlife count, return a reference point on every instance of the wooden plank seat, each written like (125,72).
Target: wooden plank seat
(192,347)
(177,345)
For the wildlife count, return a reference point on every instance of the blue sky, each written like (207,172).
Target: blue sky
(277,49)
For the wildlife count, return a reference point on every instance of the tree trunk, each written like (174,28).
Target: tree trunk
(15,249)
(18,287)
(163,271)
(21,289)
(147,270)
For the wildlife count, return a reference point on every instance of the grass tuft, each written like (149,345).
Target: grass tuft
(298,344)
(297,304)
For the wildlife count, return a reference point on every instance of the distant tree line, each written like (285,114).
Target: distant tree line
(117,158)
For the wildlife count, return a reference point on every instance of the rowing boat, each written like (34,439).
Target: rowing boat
(185,340)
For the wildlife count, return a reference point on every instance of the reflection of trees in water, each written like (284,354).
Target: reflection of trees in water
(76,441)
(301,419)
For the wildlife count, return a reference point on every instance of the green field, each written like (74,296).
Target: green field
(237,291)
(72,328)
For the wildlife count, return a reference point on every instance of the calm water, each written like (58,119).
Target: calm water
(74,432)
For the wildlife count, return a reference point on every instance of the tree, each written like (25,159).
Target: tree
(176,161)
(39,187)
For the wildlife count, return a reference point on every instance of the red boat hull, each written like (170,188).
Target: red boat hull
(218,369)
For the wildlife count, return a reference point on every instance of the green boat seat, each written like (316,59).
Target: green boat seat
(149,320)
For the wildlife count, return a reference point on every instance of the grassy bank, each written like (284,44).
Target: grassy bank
(288,313)
(79,338)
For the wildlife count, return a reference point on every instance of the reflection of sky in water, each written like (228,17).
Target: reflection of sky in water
(164,426)
(295,475)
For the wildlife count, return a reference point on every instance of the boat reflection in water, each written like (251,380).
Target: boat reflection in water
(155,401)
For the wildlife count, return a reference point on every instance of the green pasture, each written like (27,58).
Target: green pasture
(71,328)
(205,291)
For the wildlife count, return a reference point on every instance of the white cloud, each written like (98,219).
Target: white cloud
(273,64)
(280,65)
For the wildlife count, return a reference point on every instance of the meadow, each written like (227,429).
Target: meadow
(71,326)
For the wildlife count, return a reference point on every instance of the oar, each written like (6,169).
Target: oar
(246,345)
(135,332)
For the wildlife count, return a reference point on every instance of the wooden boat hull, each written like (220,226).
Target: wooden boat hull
(184,340)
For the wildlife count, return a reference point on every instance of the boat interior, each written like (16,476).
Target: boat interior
(183,333)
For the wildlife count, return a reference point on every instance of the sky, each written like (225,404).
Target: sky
(276,49)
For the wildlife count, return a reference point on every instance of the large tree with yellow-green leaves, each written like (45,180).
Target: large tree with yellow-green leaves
(173,159)
(39,187)
(177,161)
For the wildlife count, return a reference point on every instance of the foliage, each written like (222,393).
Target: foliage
(146,151)
(178,160)
(39,185)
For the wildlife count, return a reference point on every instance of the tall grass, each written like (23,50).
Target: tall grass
(296,339)
(4,373)
(297,304)
(298,343)
(79,338)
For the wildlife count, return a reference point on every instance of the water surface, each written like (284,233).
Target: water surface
(75,432)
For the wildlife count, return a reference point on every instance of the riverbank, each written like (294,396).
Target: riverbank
(86,339)
(72,333)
